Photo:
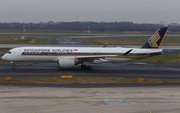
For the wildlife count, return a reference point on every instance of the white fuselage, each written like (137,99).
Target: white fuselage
(52,54)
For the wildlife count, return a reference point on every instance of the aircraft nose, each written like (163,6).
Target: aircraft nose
(3,57)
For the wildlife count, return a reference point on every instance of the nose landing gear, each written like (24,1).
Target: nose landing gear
(13,65)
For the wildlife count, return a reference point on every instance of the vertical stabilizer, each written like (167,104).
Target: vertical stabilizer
(155,41)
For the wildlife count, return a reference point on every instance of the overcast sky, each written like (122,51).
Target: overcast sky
(137,11)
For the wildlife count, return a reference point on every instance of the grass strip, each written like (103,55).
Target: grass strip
(41,31)
(132,40)
(9,40)
(83,80)
(162,58)
(5,49)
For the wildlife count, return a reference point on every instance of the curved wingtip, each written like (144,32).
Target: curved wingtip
(127,52)
(105,45)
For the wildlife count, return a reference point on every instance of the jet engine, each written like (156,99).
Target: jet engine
(66,63)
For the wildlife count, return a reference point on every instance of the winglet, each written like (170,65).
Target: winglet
(127,52)
(155,41)
(105,45)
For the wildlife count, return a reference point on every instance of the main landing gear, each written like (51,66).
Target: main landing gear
(84,67)
(13,65)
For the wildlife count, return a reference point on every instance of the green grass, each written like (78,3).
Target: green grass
(3,62)
(5,49)
(10,40)
(117,40)
(43,38)
(163,58)
(84,80)
(141,40)
(56,31)
(40,31)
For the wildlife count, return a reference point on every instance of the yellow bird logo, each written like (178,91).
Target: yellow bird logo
(154,39)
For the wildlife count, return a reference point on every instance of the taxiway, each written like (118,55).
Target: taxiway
(130,70)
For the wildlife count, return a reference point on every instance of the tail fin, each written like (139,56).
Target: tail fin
(155,41)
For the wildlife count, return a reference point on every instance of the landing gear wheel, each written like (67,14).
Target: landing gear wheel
(13,66)
(83,67)
(89,67)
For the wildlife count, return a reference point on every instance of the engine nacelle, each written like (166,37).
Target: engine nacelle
(66,63)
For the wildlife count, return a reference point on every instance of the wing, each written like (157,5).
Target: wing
(91,58)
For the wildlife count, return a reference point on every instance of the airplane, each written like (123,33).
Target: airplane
(69,57)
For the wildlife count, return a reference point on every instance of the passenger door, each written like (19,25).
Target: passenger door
(19,52)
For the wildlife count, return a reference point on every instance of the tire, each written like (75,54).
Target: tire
(83,67)
(89,68)
(13,66)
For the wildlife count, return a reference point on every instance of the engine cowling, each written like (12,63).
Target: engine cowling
(66,63)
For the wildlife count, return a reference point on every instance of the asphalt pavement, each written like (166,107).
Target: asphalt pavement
(129,70)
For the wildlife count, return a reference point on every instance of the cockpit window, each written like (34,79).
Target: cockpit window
(9,52)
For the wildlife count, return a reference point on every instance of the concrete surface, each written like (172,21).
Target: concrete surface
(89,100)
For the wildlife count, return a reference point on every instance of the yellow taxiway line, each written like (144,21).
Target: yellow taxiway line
(141,105)
(82,99)
(87,99)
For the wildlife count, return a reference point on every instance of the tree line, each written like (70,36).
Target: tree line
(94,26)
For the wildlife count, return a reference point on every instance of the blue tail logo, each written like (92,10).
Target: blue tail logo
(155,41)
